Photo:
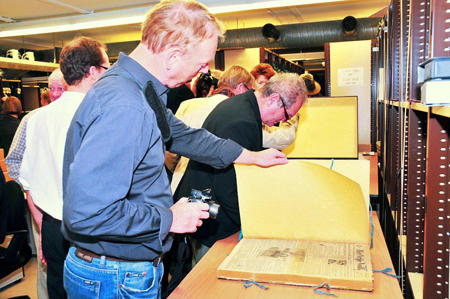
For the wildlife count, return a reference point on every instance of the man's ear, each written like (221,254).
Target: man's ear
(173,57)
(241,88)
(273,98)
(94,73)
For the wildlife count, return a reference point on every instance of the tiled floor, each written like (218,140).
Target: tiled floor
(26,286)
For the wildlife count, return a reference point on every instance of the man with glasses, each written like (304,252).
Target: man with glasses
(82,62)
(235,80)
(240,119)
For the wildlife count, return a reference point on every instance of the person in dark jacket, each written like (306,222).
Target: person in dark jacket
(240,119)
(9,122)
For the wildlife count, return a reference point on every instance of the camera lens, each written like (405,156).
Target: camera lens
(213,210)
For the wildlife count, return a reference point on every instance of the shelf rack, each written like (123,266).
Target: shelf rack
(414,184)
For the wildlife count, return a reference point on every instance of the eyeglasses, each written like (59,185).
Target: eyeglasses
(245,86)
(286,115)
(103,67)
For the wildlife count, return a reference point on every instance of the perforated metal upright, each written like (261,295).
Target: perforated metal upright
(401,16)
(419,42)
(394,41)
(437,222)
(403,172)
(416,189)
(415,184)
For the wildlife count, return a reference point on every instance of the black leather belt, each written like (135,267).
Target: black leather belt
(87,256)
(47,217)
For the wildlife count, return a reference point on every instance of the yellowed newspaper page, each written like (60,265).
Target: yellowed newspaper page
(300,262)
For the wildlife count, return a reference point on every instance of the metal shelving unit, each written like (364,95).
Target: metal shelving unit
(414,149)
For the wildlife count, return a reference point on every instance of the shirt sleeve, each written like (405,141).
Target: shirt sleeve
(202,146)
(15,156)
(282,136)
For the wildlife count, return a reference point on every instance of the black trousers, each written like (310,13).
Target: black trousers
(177,263)
(55,249)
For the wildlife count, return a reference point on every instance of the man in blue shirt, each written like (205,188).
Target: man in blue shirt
(82,61)
(118,209)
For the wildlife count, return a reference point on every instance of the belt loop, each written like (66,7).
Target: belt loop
(102,260)
(157,261)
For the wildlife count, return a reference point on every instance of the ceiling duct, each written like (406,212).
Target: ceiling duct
(270,32)
(349,25)
(301,35)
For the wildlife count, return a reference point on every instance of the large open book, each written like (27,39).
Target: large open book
(302,224)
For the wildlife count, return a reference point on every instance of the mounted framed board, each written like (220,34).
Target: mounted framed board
(328,128)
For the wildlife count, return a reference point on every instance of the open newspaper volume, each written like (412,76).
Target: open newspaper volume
(302,224)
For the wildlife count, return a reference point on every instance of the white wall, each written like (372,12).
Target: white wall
(350,68)
(246,58)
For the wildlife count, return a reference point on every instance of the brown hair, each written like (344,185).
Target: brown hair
(264,69)
(12,105)
(182,23)
(77,57)
(45,97)
(235,75)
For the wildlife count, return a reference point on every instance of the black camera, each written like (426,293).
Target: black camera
(205,197)
(204,83)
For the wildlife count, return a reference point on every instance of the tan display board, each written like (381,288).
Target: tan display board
(303,224)
(328,128)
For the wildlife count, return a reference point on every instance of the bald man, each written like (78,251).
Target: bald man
(56,86)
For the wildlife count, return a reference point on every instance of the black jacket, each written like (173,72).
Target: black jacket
(8,127)
(237,118)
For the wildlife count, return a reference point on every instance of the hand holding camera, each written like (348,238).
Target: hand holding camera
(205,197)
(204,83)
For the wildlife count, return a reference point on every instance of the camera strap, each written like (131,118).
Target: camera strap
(155,103)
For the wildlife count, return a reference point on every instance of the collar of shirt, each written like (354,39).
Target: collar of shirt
(141,75)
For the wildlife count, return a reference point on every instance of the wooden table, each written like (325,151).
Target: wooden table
(203,283)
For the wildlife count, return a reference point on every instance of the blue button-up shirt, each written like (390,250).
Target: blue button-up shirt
(117,196)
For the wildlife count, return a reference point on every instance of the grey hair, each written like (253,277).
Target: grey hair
(288,85)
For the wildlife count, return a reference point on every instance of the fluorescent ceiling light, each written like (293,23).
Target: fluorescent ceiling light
(73,27)
(266,5)
(75,23)
(126,17)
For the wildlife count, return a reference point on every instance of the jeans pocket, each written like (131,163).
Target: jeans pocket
(79,286)
(139,285)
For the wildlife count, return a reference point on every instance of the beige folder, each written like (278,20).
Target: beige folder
(303,224)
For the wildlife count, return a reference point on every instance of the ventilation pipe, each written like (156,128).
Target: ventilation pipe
(270,32)
(349,25)
(301,35)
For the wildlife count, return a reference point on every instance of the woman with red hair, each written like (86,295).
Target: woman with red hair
(262,73)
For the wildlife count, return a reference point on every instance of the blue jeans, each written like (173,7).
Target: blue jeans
(111,279)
